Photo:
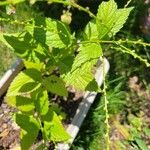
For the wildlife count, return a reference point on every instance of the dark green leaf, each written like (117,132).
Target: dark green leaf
(30,128)
(55,85)
(41,101)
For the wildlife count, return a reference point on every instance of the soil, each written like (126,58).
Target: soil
(9,131)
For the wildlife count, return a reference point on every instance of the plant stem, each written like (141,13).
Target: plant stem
(107,139)
(139,42)
(128,2)
(131,52)
(75,5)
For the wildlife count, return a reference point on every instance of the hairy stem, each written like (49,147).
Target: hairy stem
(107,139)
(75,5)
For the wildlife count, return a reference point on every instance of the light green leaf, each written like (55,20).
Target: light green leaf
(58,34)
(106,17)
(142,145)
(7,2)
(26,82)
(81,75)
(41,101)
(24,104)
(122,16)
(53,128)
(87,52)
(38,66)
(30,128)
(55,85)
(147,131)
(91,30)
(110,19)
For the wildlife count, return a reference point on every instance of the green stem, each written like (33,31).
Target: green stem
(139,42)
(131,52)
(75,5)
(107,139)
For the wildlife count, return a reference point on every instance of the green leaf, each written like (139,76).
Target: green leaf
(110,19)
(50,32)
(26,82)
(65,64)
(24,104)
(58,34)
(86,53)
(25,48)
(142,145)
(91,30)
(37,66)
(2,39)
(10,2)
(19,44)
(55,85)
(147,131)
(53,129)
(122,16)
(41,101)
(30,128)
(106,17)
(81,74)
(42,147)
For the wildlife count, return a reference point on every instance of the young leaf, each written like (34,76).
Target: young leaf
(30,128)
(41,101)
(106,17)
(81,73)
(110,19)
(55,85)
(91,30)
(24,104)
(26,82)
(122,16)
(53,129)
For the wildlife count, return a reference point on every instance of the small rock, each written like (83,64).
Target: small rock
(1,115)
(4,106)
(4,133)
(4,126)
(15,126)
